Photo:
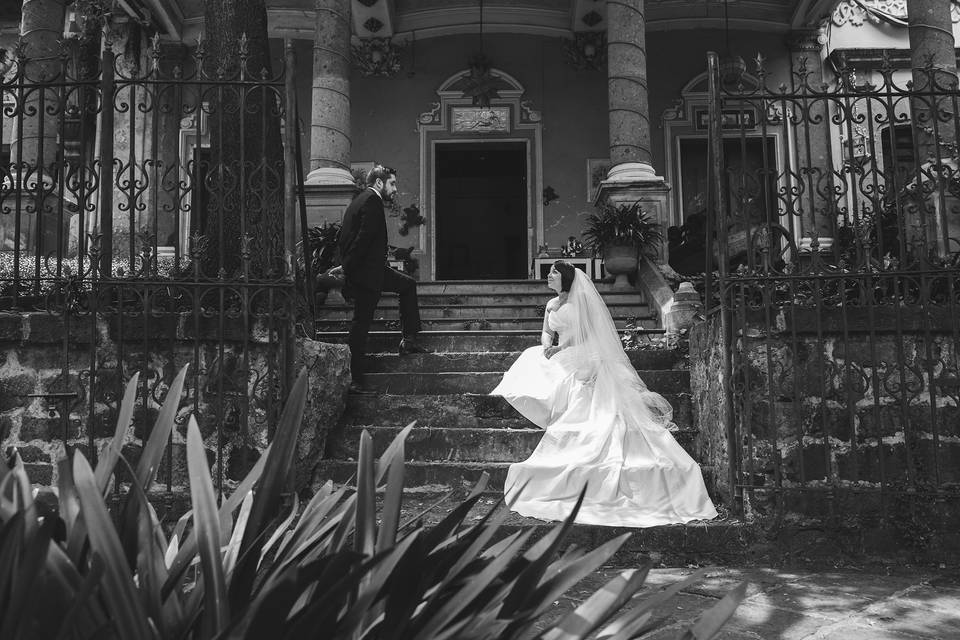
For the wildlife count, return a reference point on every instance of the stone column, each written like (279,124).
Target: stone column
(330,115)
(631,177)
(36,150)
(934,63)
(812,160)
(627,92)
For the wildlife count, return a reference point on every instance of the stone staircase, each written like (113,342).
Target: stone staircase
(474,331)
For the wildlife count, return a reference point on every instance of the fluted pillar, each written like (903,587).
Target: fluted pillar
(330,114)
(627,92)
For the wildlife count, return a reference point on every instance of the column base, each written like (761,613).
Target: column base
(652,192)
(326,202)
(632,172)
(329,176)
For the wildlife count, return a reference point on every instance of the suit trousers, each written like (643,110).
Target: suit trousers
(365,305)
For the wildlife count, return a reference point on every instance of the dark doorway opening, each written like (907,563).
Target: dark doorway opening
(481,210)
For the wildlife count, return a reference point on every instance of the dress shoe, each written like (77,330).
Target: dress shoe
(409,345)
(360,388)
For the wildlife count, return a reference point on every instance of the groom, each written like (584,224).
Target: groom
(363,254)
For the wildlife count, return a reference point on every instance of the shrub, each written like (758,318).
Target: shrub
(245,569)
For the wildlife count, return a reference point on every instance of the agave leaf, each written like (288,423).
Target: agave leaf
(710,621)
(188,549)
(481,540)
(345,526)
(371,586)
(598,608)
(417,516)
(23,603)
(564,576)
(150,459)
(281,529)
(393,452)
(233,547)
(366,497)
(466,596)
(628,621)
(393,500)
(176,535)
(125,607)
(207,523)
(12,535)
(338,577)
(628,626)
(112,453)
(540,555)
(69,506)
(266,501)
(83,617)
(316,510)
(156,445)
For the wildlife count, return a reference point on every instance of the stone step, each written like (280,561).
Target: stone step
(476,323)
(483,298)
(445,475)
(463,341)
(458,444)
(496,361)
(472,312)
(459,410)
(426,382)
(448,287)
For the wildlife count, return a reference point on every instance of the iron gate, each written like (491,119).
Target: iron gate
(836,242)
(146,224)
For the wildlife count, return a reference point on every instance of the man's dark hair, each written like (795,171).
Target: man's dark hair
(379,172)
(567,271)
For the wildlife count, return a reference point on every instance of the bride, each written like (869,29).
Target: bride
(604,429)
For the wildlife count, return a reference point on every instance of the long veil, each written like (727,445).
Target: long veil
(617,383)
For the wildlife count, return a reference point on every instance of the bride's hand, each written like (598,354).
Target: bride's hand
(549,352)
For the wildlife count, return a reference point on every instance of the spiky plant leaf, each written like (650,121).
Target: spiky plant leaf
(626,626)
(366,497)
(393,500)
(110,455)
(601,604)
(126,608)
(266,501)
(207,523)
(465,597)
(711,620)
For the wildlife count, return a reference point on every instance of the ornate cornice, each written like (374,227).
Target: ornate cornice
(857,12)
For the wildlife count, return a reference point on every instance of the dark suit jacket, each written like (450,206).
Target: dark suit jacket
(363,241)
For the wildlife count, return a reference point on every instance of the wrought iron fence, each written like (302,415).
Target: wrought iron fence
(146,210)
(836,239)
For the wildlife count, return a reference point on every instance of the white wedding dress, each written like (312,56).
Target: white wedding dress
(604,429)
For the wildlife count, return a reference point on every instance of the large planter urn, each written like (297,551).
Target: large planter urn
(620,260)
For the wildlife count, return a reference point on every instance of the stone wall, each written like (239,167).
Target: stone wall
(847,423)
(709,403)
(43,354)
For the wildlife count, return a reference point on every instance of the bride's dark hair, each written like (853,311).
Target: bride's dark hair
(566,274)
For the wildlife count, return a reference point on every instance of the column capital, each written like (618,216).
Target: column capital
(806,40)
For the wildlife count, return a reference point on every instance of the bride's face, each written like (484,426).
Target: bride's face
(553,279)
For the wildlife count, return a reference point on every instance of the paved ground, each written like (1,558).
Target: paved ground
(809,605)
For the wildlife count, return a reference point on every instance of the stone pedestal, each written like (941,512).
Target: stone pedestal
(326,202)
(652,195)
(684,309)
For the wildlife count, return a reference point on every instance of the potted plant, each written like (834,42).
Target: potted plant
(322,253)
(618,233)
